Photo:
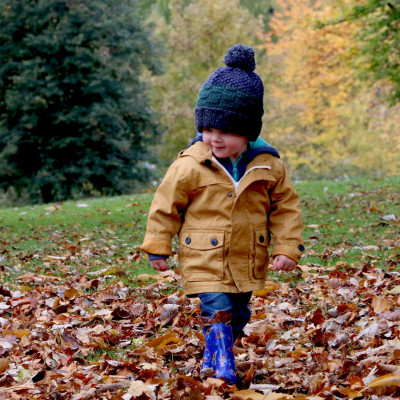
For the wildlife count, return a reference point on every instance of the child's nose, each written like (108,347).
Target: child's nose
(217,136)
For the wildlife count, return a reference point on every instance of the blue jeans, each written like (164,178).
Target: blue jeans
(235,303)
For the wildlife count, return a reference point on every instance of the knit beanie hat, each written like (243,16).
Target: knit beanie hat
(231,99)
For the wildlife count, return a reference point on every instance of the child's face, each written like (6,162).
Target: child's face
(224,144)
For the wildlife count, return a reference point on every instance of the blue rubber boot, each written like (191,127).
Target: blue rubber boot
(219,341)
(206,365)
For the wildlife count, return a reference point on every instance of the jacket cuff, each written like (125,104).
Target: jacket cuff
(291,251)
(156,257)
(156,245)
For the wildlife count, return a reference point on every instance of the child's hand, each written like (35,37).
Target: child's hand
(159,265)
(283,263)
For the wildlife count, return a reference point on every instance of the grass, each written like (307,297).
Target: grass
(355,221)
(91,235)
(348,222)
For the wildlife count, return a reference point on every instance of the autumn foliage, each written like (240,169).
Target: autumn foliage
(336,334)
(322,113)
(326,121)
(81,319)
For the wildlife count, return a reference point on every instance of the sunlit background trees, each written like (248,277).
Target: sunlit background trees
(97,97)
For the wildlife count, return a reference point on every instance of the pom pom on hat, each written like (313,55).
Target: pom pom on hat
(231,99)
(240,56)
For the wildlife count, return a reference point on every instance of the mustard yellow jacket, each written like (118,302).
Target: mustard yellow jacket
(224,227)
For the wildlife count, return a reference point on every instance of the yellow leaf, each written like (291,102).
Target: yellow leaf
(144,277)
(19,333)
(386,380)
(111,271)
(267,288)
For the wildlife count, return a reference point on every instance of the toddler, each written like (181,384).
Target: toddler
(227,196)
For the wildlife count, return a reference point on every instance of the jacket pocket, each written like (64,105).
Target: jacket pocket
(201,255)
(261,255)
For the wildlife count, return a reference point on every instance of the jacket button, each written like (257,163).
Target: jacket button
(188,240)
(214,242)
(229,194)
(261,239)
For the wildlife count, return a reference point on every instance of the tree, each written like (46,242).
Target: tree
(325,122)
(265,8)
(308,75)
(74,115)
(380,42)
(196,39)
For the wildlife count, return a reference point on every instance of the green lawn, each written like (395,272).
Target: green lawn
(354,222)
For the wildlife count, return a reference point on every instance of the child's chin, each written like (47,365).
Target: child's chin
(221,153)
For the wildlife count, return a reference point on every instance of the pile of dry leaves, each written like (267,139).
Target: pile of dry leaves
(334,335)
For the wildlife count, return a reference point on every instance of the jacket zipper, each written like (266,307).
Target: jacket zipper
(236,184)
(235,175)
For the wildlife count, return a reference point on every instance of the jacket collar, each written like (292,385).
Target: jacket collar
(199,151)
(203,155)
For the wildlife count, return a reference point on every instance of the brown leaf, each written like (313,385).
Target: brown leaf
(317,317)
(121,312)
(4,363)
(252,395)
(71,339)
(168,312)
(71,293)
(392,316)
(380,304)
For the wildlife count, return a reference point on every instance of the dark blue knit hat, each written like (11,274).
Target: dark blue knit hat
(231,99)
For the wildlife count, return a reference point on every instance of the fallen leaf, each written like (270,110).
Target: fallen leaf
(22,374)
(386,380)
(380,304)
(4,363)
(71,293)
(267,288)
(390,217)
(19,333)
(138,388)
(395,290)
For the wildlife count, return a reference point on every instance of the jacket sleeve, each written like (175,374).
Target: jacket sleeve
(285,221)
(165,215)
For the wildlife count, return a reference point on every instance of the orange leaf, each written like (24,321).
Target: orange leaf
(163,341)
(4,363)
(350,392)
(71,292)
